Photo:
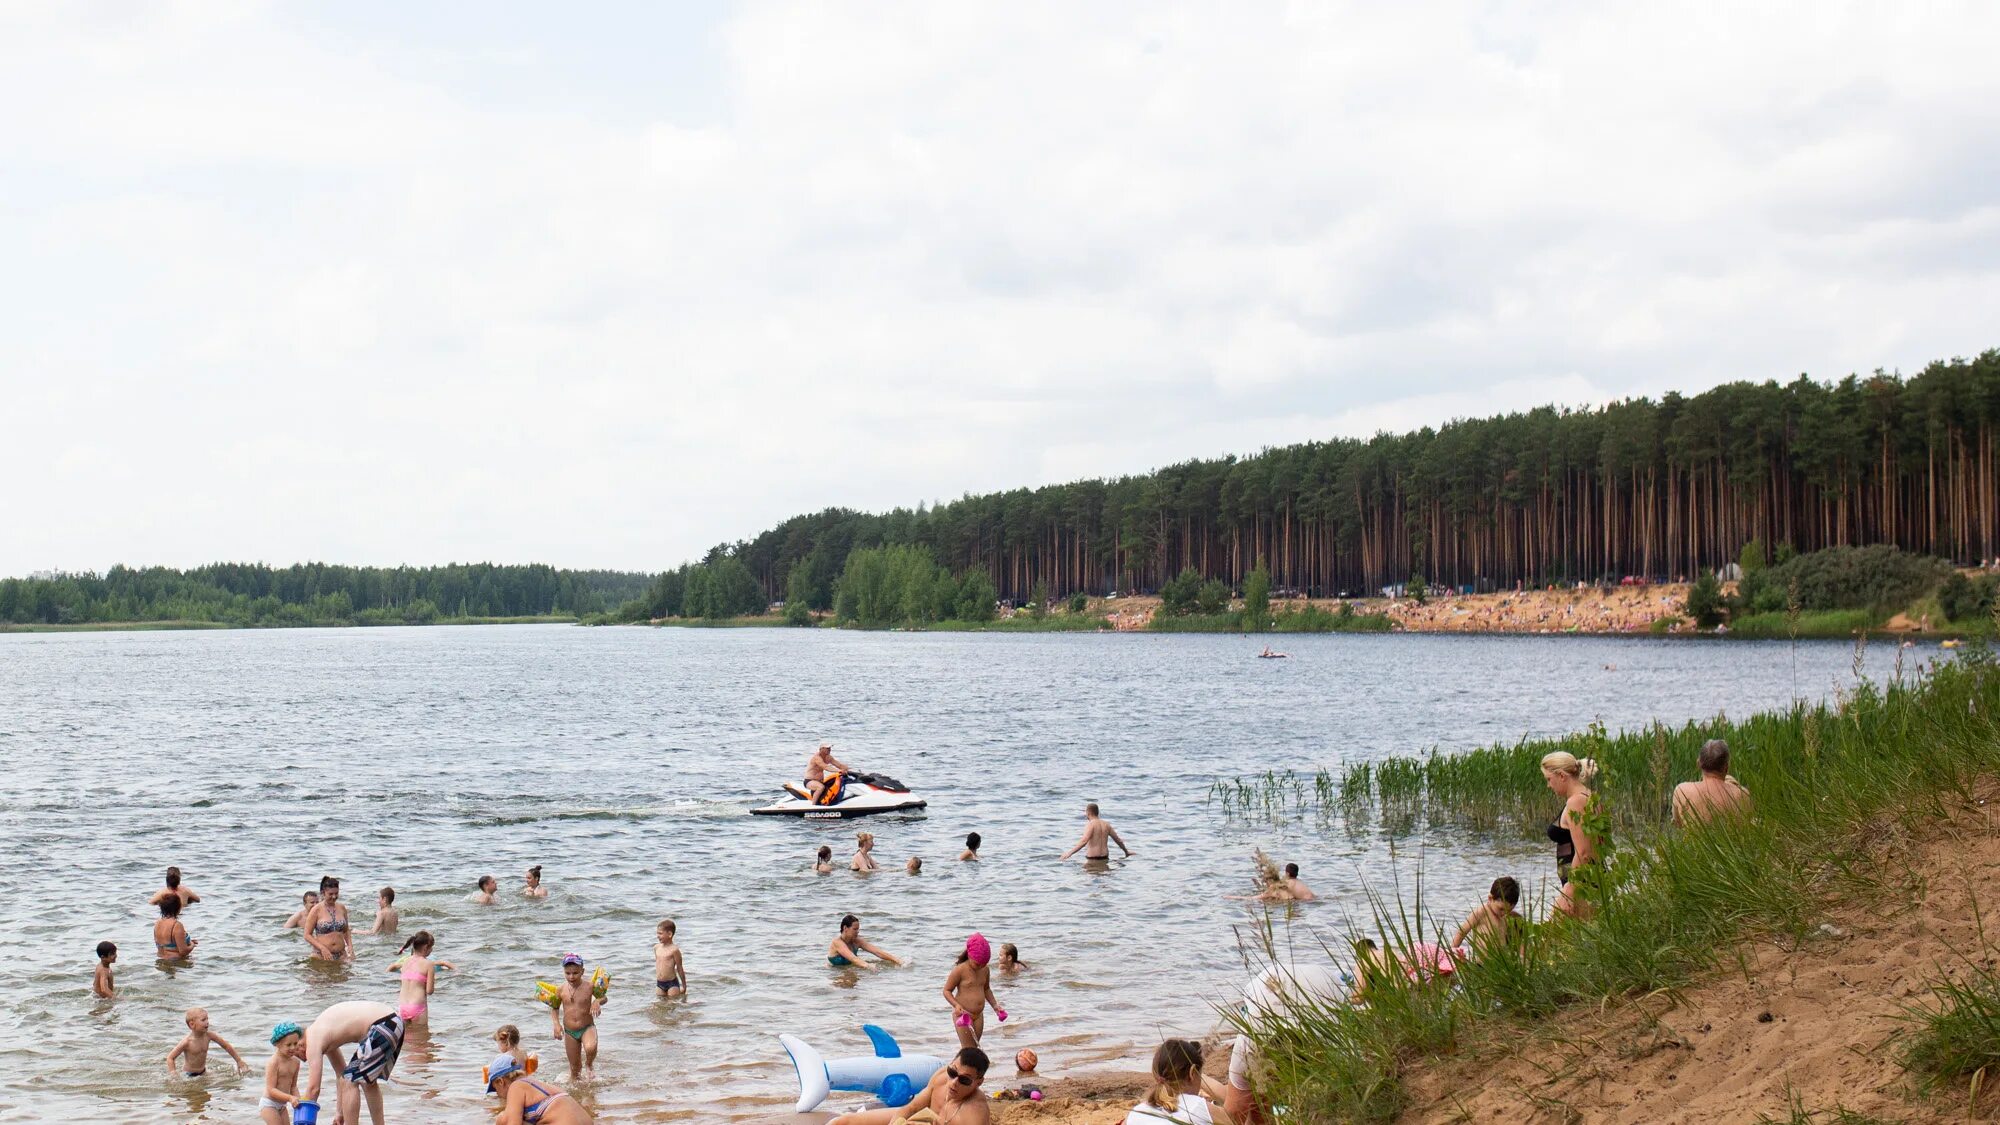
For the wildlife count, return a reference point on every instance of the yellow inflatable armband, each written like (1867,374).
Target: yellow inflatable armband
(550,994)
(600,982)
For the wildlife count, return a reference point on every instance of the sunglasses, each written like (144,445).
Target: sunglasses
(962,1077)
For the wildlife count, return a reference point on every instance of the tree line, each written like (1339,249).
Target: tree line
(1662,489)
(313,594)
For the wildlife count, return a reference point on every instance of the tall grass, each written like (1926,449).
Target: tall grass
(1831,782)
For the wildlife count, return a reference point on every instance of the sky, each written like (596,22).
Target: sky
(604,285)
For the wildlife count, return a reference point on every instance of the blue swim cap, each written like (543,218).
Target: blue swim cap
(500,1068)
(284,1029)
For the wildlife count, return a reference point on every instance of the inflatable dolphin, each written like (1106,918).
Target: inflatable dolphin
(890,1075)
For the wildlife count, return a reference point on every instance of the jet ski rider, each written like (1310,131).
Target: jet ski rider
(816,766)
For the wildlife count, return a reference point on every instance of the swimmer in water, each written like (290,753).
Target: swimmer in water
(1300,892)
(175,887)
(307,901)
(386,918)
(170,939)
(915,866)
(847,949)
(484,895)
(534,888)
(669,974)
(100,981)
(863,861)
(824,864)
(326,926)
(1010,959)
(971,852)
(1096,831)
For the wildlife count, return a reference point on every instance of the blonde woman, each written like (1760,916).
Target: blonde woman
(1180,1094)
(864,861)
(1569,777)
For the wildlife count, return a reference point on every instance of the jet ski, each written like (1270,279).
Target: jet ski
(860,794)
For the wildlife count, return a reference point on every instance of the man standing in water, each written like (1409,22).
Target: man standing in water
(1096,830)
(376,1032)
(816,766)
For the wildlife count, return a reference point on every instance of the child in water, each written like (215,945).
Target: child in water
(508,1038)
(484,895)
(969,989)
(575,1018)
(915,866)
(192,1050)
(386,918)
(1010,959)
(863,861)
(824,864)
(100,981)
(419,976)
(669,975)
(281,1074)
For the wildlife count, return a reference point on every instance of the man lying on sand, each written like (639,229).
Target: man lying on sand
(953,1096)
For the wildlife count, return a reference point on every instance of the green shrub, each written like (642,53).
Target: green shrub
(1879,578)
(1966,599)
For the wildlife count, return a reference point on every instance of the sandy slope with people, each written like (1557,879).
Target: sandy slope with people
(1815,1022)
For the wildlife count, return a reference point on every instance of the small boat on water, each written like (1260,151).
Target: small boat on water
(860,794)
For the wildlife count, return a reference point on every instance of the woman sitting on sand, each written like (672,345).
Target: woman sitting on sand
(1180,1093)
(1569,777)
(1716,795)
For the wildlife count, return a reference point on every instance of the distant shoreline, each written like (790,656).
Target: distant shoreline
(192,626)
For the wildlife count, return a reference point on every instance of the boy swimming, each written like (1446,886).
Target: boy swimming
(281,1074)
(192,1050)
(668,973)
(575,1018)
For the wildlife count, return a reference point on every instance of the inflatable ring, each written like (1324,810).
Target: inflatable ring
(600,982)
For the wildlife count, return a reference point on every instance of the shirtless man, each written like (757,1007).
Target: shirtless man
(953,1095)
(1096,830)
(376,1033)
(174,887)
(1716,794)
(816,766)
(1300,892)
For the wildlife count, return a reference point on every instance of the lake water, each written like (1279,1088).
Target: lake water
(624,760)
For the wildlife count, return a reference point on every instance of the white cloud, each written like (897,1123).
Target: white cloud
(280,291)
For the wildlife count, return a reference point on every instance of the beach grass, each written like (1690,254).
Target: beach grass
(1830,781)
(1953,1034)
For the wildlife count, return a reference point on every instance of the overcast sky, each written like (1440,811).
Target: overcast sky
(602,286)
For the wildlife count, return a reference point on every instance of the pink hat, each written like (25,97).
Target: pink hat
(977,949)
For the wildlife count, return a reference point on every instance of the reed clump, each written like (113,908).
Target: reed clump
(1672,904)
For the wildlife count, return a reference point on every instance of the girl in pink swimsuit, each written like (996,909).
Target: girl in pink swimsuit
(419,976)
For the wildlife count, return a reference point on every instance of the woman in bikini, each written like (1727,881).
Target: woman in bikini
(846,950)
(1569,777)
(325,925)
(530,1101)
(170,939)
